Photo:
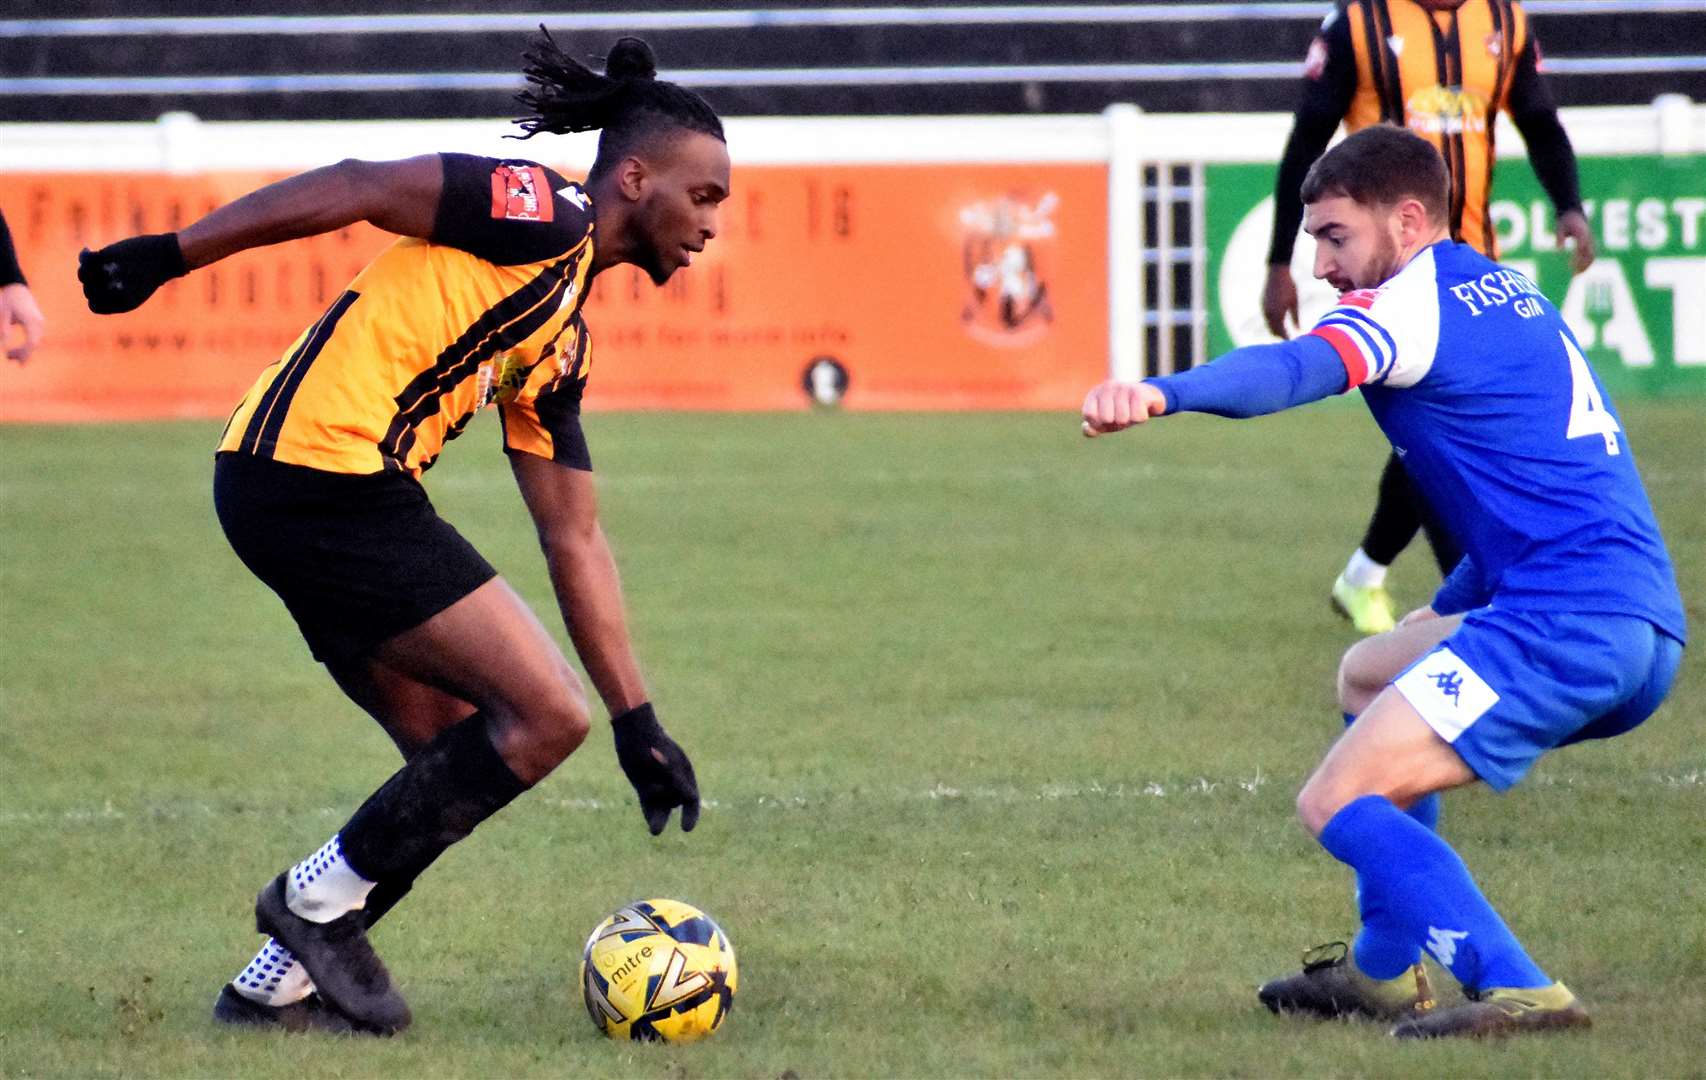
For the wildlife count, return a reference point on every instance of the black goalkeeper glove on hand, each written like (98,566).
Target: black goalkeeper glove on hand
(658,768)
(120,276)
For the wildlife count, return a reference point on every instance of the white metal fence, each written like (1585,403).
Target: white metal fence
(821,18)
(1157,285)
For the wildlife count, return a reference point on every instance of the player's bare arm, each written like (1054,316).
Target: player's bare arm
(564,505)
(17,304)
(398,196)
(1575,234)
(1279,299)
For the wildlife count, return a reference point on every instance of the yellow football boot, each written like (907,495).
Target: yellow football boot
(1499,1012)
(1369,608)
(1331,986)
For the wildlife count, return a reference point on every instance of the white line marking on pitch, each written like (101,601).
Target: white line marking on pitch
(938,793)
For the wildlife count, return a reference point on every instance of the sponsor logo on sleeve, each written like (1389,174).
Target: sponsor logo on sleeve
(519,193)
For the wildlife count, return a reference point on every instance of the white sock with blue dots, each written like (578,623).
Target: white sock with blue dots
(323,886)
(273,977)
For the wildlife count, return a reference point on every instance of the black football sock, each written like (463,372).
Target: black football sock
(275,978)
(1446,552)
(1395,520)
(433,801)
(393,888)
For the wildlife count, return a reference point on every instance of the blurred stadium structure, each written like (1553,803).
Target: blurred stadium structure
(430,58)
(1181,119)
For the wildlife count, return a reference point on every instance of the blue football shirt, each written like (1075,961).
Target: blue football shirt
(1503,425)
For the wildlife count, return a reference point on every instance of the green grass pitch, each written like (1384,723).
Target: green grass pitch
(1000,731)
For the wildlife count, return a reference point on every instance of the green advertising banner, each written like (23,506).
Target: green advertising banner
(1639,311)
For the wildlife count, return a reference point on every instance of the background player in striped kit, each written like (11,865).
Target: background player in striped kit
(1444,69)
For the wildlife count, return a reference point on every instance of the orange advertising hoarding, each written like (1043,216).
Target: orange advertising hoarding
(933,287)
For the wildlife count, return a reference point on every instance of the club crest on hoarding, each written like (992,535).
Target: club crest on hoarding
(1006,245)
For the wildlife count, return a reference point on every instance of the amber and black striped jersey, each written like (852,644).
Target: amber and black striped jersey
(10,273)
(1445,75)
(486,311)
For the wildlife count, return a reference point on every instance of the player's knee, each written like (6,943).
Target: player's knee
(1316,805)
(1355,683)
(538,730)
(557,725)
(570,725)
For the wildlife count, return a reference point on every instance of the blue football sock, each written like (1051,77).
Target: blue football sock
(1414,890)
(1424,809)
(1425,812)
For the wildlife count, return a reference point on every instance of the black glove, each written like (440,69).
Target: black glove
(120,276)
(658,768)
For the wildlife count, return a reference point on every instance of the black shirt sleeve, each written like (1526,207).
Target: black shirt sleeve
(509,212)
(10,272)
(1327,93)
(560,413)
(1536,117)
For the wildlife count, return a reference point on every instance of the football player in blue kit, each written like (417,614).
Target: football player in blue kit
(1562,623)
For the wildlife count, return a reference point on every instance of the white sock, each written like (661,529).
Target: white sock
(322,887)
(274,977)
(1363,572)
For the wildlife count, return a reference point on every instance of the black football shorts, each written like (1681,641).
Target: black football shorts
(358,559)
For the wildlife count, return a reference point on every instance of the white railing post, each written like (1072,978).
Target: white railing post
(1125,242)
(1199,265)
(1674,115)
(182,144)
(1164,299)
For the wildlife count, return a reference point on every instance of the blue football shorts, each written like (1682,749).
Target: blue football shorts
(1507,686)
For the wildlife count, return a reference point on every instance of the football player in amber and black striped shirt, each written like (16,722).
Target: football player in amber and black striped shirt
(1444,69)
(316,482)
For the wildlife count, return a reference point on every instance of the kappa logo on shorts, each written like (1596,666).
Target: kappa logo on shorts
(1447,692)
(519,193)
(1449,684)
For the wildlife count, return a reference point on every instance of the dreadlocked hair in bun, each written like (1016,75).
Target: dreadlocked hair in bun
(630,58)
(628,103)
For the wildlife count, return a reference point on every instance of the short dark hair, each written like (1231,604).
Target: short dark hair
(1380,166)
(628,105)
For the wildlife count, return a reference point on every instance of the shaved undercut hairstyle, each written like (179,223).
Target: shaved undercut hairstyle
(1382,165)
(628,105)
